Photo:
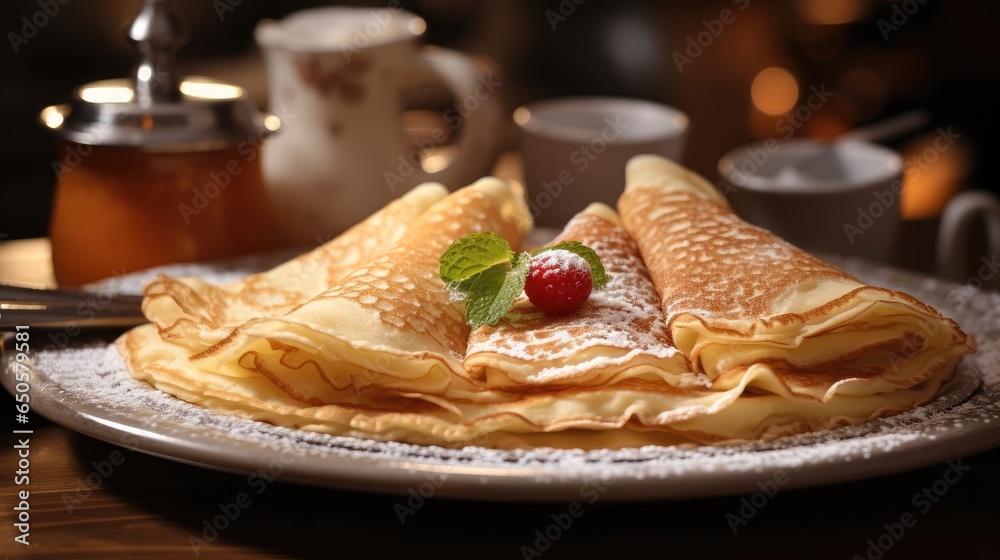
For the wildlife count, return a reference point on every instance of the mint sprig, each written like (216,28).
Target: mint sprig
(471,255)
(494,290)
(492,276)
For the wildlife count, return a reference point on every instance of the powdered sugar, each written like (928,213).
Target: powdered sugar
(560,261)
(624,315)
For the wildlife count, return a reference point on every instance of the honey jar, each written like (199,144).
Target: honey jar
(156,169)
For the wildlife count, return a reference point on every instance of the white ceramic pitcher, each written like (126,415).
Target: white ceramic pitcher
(336,76)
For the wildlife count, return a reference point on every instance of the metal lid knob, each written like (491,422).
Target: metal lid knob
(157,109)
(157,35)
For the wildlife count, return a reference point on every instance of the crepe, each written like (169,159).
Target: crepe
(619,333)
(816,346)
(380,354)
(198,314)
(390,324)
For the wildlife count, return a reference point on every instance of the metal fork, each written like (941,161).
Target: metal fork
(63,308)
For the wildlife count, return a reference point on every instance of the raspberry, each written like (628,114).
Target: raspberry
(559,282)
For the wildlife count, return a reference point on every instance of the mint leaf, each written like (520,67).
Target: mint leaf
(494,290)
(470,256)
(597,271)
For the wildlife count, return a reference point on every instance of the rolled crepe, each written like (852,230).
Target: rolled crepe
(198,314)
(618,333)
(749,309)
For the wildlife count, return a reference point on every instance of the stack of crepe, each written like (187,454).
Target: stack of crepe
(711,330)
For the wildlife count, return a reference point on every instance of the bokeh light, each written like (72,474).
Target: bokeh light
(774,91)
(933,172)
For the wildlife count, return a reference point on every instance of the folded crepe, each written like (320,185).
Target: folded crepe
(389,325)
(198,314)
(619,333)
(380,353)
(813,346)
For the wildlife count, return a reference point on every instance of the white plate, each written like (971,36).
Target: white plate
(85,388)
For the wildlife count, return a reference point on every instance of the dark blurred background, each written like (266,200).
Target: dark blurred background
(880,58)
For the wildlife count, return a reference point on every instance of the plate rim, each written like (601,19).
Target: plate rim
(536,483)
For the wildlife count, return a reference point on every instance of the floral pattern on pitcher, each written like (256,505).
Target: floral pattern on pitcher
(346,81)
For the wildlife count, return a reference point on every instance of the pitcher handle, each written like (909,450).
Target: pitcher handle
(956,223)
(477,110)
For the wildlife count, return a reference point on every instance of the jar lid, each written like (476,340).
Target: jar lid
(156,109)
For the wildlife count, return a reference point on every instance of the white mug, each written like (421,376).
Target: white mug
(954,231)
(575,148)
(336,78)
(841,197)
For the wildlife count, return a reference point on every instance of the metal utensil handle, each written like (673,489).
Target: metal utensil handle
(20,294)
(48,309)
(49,319)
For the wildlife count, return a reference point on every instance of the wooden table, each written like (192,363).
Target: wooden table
(147,507)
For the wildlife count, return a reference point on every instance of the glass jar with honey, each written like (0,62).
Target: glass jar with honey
(156,169)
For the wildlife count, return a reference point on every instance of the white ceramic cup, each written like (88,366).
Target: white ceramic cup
(841,197)
(835,197)
(575,148)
